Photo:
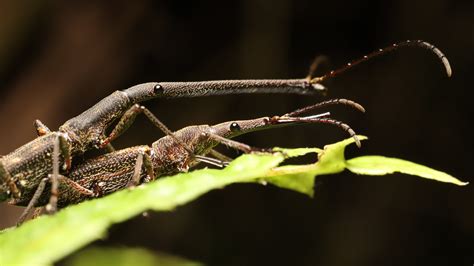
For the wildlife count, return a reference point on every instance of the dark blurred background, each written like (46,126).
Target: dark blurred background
(57,58)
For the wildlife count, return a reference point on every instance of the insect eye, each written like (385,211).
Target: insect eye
(158,89)
(234,127)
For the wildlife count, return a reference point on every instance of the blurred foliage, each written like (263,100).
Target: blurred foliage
(97,256)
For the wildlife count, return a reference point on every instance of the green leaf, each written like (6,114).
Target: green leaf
(301,178)
(297,179)
(49,238)
(299,182)
(125,257)
(379,165)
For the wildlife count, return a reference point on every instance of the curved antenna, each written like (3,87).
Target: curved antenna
(326,103)
(393,47)
(337,123)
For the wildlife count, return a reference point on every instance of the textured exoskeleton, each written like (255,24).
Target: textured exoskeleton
(170,154)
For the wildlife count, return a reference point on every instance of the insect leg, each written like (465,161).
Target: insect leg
(157,123)
(147,162)
(228,142)
(33,201)
(59,143)
(125,122)
(65,151)
(129,117)
(232,143)
(143,159)
(53,200)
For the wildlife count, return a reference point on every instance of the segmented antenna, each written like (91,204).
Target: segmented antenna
(337,123)
(393,47)
(326,103)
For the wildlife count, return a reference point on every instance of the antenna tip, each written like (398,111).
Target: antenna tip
(359,107)
(447,66)
(357,141)
(352,104)
(438,53)
(354,136)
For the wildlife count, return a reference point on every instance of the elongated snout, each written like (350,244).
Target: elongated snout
(235,128)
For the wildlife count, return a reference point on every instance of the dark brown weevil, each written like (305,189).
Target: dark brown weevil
(172,154)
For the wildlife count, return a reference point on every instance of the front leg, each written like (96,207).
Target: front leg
(129,117)
(223,160)
(60,143)
(231,143)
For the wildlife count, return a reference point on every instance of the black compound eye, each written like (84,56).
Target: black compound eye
(158,89)
(234,127)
